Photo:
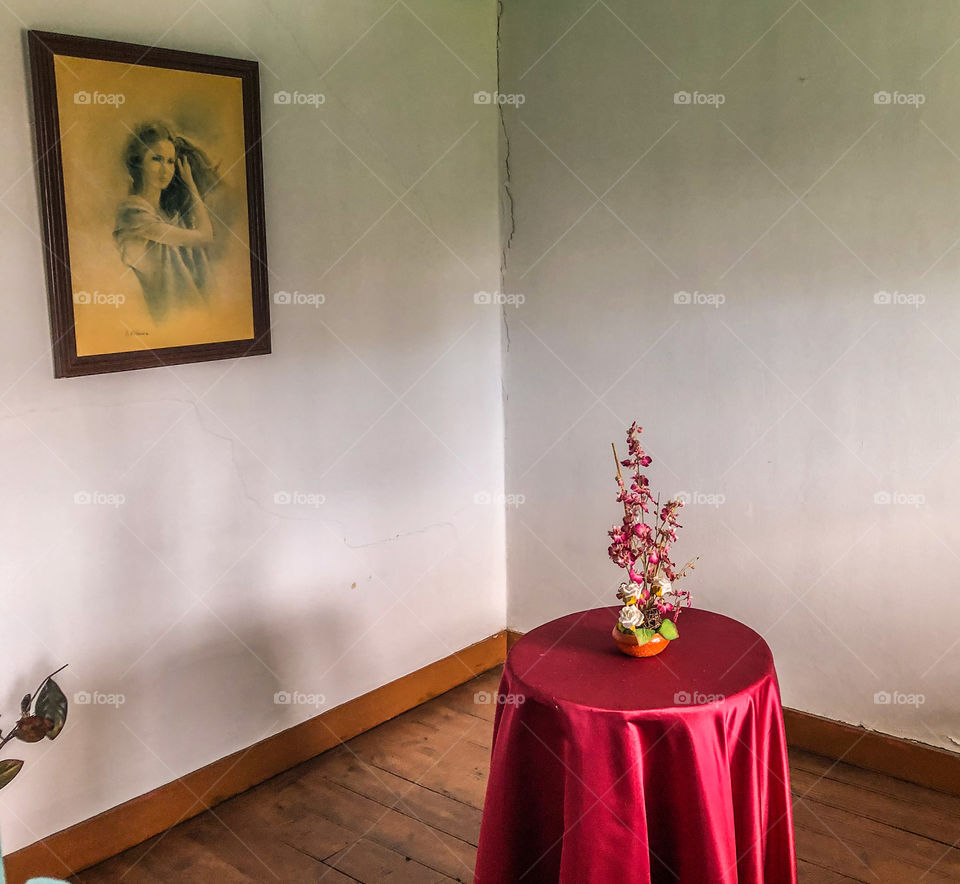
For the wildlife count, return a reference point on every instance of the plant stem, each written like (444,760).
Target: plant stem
(9,736)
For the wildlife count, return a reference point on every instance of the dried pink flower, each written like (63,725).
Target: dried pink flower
(643,549)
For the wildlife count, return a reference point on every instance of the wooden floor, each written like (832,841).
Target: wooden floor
(401,805)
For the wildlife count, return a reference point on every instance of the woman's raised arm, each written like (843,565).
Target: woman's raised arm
(171,235)
(198,211)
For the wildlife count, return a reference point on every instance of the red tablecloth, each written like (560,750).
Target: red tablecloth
(610,769)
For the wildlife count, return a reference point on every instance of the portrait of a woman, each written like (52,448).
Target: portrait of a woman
(163,228)
(155,184)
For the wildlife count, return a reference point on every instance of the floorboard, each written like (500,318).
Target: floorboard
(401,804)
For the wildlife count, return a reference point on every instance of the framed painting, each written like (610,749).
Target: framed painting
(151,187)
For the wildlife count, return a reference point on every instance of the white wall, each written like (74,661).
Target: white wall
(797,400)
(800,398)
(200,597)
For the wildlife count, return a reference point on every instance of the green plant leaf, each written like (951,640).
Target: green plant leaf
(668,630)
(9,768)
(644,635)
(52,704)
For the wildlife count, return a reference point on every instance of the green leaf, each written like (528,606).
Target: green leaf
(644,635)
(668,630)
(9,768)
(52,704)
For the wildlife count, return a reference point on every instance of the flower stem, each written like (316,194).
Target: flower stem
(616,460)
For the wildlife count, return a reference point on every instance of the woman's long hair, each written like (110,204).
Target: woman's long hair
(175,198)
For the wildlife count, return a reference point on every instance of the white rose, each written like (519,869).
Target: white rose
(629,592)
(662,586)
(630,617)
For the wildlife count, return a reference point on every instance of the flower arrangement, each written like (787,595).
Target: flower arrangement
(651,599)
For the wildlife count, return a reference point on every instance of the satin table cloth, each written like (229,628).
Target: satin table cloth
(609,769)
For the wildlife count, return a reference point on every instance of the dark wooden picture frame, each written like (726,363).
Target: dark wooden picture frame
(44,48)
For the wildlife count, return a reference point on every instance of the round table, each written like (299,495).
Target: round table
(607,768)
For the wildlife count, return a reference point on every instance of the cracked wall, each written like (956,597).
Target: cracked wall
(738,226)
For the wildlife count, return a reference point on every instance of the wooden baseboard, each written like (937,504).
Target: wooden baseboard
(512,637)
(114,830)
(905,759)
